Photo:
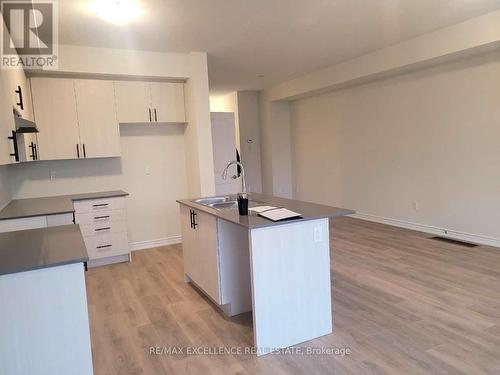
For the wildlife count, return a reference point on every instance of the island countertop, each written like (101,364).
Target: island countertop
(32,249)
(63,204)
(308,211)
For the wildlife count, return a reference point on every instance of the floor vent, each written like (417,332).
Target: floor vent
(453,242)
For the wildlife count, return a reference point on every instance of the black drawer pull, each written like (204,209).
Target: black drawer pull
(103,246)
(100,229)
(100,205)
(101,217)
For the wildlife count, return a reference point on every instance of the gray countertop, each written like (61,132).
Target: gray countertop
(28,250)
(22,208)
(309,211)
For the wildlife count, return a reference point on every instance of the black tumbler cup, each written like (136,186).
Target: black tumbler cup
(243,204)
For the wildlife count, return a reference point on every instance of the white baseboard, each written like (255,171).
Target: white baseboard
(141,245)
(449,233)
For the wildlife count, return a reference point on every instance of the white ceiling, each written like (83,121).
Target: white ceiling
(280,39)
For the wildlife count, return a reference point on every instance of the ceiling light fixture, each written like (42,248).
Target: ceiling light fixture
(119,12)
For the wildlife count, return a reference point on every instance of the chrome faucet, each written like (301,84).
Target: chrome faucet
(224,174)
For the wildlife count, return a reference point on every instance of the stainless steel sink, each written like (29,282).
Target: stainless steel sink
(212,200)
(222,203)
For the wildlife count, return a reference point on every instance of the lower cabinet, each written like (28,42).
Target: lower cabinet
(217,259)
(200,251)
(103,223)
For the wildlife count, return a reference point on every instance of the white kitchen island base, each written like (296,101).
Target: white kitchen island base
(44,324)
(278,270)
(291,292)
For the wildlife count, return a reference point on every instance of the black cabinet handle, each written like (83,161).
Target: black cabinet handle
(78,150)
(84,151)
(103,246)
(16,150)
(36,150)
(195,224)
(85,266)
(100,205)
(101,217)
(33,152)
(191,217)
(156,117)
(150,119)
(101,229)
(19,92)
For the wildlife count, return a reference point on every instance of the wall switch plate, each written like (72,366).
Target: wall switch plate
(318,234)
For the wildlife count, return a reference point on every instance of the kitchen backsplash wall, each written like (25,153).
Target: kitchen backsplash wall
(152,169)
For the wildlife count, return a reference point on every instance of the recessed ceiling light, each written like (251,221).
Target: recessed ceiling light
(118,12)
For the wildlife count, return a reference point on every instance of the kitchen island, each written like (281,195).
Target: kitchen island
(43,302)
(278,270)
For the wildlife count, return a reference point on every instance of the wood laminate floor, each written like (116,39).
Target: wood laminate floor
(403,304)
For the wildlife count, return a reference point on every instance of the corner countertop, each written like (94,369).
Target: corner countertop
(28,250)
(309,211)
(63,204)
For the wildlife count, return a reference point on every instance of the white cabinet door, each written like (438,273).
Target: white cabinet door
(54,105)
(208,256)
(168,102)
(188,243)
(99,133)
(200,251)
(133,102)
(6,127)
(16,86)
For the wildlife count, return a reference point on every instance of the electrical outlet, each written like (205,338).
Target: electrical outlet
(415,206)
(318,234)
(52,175)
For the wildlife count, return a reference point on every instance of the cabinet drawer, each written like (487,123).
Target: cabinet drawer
(101,217)
(100,228)
(107,244)
(98,205)
(13,225)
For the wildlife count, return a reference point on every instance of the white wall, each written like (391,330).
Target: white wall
(275,147)
(431,137)
(109,61)
(199,156)
(249,126)
(152,169)
(228,103)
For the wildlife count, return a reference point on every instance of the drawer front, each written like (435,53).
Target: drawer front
(107,244)
(98,205)
(23,224)
(100,228)
(101,217)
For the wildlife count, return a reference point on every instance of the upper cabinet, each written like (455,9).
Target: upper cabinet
(6,127)
(54,104)
(76,118)
(150,102)
(167,101)
(99,131)
(133,101)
